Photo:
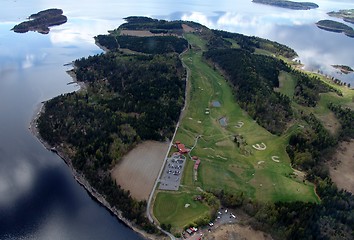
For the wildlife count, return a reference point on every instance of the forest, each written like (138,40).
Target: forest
(308,89)
(129,98)
(335,26)
(146,23)
(149,45)
(41,21)
(251,43)
(288,4)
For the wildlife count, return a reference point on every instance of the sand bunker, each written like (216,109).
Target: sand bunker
(260,162)
(275,159)
(260,147)
(239,124)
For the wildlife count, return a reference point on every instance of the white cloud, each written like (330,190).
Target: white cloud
(15,181)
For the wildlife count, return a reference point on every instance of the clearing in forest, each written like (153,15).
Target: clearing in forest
(138,170)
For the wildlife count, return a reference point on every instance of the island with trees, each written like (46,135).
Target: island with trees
(343,68)
(41,21)
(334,26)
(175,80)
(288,4)
(345,14)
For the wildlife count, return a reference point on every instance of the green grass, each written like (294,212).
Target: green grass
(223,164)
(170,209)
(287,84)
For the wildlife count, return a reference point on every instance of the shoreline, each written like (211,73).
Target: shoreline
(80,178)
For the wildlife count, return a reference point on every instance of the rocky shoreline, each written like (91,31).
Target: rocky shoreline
(78,176)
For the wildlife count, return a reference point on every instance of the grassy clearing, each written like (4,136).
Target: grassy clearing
(170,208)
(286,84)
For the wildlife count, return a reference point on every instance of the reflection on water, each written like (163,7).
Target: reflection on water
(39,199)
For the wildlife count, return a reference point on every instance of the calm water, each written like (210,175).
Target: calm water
(39,199)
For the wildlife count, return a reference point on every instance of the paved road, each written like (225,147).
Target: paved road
(148,207)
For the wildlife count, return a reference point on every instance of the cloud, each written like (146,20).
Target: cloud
(28,61)
(15,181)
(78,32)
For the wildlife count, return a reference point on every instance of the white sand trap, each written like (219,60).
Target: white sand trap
(260,147)
(239,124)
(186,205)
(260,162)
(275,159)
(190,118)
(221,157)
(199,121)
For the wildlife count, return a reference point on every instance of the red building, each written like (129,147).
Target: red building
(196,165)
(181,148)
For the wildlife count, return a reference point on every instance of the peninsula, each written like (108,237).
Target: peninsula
(41,21)
(334,26)
(248,132)
(288,4)
(347,15)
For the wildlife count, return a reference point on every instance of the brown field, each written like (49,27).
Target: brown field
(342,167)
(330,122)
(138,170)
(187,28)
(236,231)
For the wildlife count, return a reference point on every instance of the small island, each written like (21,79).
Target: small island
(288,4)
(333,26)
(343,68)
(41,21)
(347,15)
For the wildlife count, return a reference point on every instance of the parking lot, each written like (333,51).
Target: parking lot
(172,173)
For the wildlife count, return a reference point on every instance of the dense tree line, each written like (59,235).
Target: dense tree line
(149,45)
(288,4)
(333,218)
(253,78)
(250,43)
(146,23)
(308,89)
(307,147)
(128,99)
(346,119)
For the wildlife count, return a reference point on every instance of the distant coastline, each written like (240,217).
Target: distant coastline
(347,15)
(288,4)
(41,21)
